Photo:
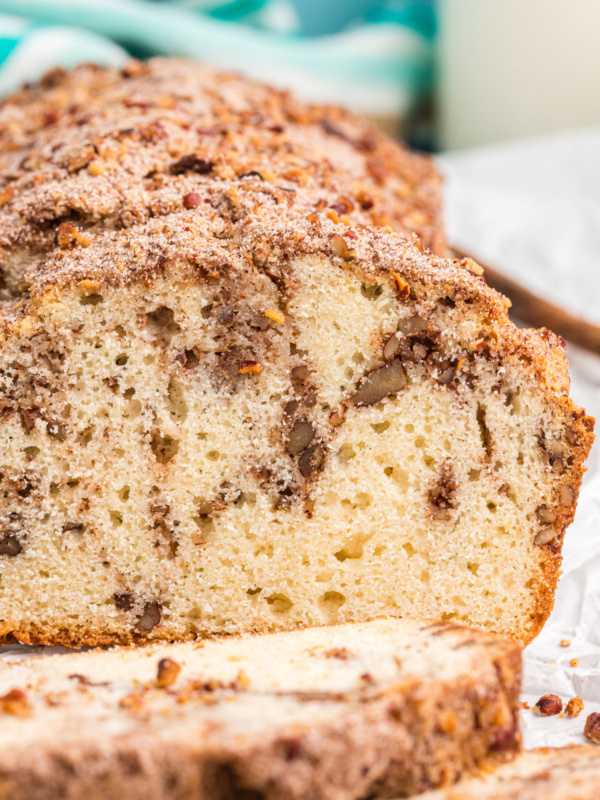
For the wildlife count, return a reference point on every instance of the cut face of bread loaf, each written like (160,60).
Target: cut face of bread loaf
(244,415)
(571,773)
(388,706)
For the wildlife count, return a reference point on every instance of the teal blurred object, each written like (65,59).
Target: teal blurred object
(374,56)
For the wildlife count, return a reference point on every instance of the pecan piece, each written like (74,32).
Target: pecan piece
(150,617)
(379,384)
(300,437)
(592,728)
(574,707)
(250,368)
(15,702)
(68,236)
(167,672)
(549,705)
(191,200)
(10,545)
(192,163)
(311,461)
(124,602)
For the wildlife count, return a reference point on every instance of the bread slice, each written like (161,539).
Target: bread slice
(240,416)
(104,149)
(336,712)
(566,773)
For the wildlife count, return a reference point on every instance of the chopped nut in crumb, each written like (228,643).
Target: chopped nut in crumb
(250,368)
(132,702)
(15,702)
(243,681)
(549,705)
(167,672)
(275,315)
(574,707)
(337,652)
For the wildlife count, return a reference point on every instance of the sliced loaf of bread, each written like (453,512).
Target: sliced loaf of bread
(566,773)
(239,409)
(332,713)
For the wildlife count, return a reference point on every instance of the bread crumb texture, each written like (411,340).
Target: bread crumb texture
(249,410)
(378,708)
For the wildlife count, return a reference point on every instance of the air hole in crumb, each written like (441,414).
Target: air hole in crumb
(213,455)
(124,493)
(358,358)
(116,518)
(91,300)
(409,428)
(346,452)
(31,452)
(491,506)
(332,601)
(164,448)
(280,603)
(353,549)
(389,471)
(371,290)
(253,592)
(474,474)
(472,566)
(420,441)
(162,324)
(409,549)
(380,427)
(121,360)
(179,408)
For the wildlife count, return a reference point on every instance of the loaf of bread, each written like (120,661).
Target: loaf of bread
(387,706)
(567,773)
(226,406)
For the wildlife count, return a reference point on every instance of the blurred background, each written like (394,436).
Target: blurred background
(443,74)
(505,92)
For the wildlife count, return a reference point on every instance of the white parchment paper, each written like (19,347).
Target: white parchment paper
(533,209)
